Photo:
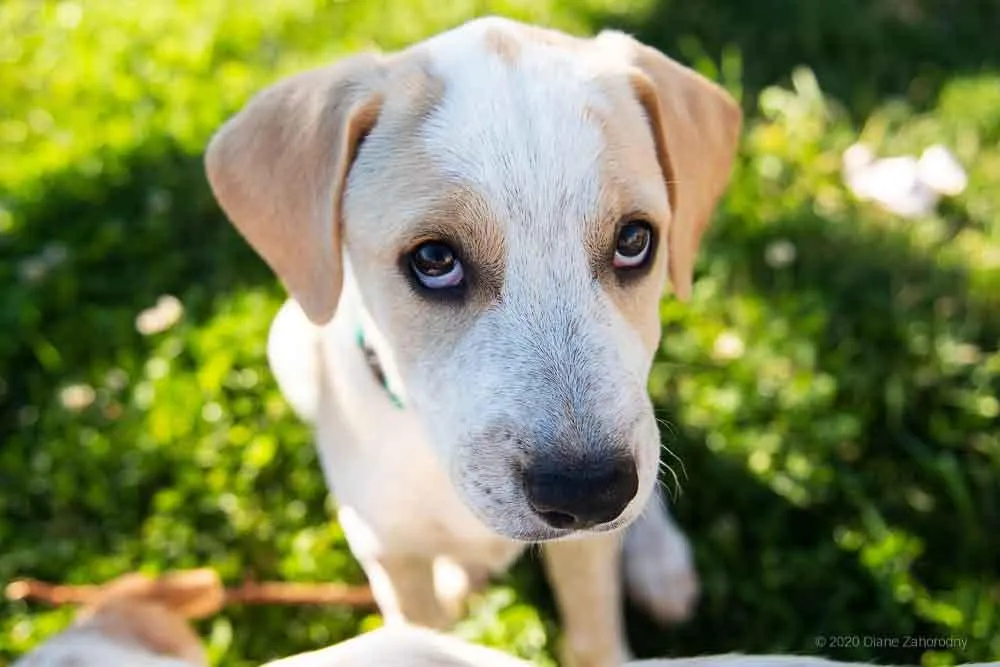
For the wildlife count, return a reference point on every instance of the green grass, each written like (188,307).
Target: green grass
(842,461)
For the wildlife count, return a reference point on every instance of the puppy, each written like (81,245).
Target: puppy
(136,621)
(475,233)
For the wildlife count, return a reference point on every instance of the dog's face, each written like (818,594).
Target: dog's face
(509,242)
(512,201)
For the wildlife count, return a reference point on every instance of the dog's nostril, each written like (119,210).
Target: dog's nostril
(556,519)
(581,494)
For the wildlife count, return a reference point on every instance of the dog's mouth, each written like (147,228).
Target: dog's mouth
(544,533)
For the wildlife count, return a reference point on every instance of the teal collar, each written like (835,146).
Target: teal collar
(371,358)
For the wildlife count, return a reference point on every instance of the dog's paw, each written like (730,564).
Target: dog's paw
(583,652)
(452,586)
(660,574)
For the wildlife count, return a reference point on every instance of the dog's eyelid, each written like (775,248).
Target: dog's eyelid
(440,235)
(637,216)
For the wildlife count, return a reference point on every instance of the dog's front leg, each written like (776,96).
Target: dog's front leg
(659,568)
(586,582)
(403,587)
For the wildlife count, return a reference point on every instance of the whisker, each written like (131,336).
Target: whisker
(667,491)
(676,458)
(677,484)
(670,429)
(665,424)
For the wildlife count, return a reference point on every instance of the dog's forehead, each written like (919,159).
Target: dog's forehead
(519,117)
(528,143)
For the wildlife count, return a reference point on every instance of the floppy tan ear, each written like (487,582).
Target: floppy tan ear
(278,168)
(696,125)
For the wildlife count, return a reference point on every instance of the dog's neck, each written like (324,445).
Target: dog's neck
(375,366)
(368,339)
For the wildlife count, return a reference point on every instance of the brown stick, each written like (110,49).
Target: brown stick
(56,594)
(250,592)
(280,592)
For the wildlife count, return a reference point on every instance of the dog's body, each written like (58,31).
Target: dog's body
(484,224)
(421,546)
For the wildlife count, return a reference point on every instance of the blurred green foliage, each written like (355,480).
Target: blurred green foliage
(831,389)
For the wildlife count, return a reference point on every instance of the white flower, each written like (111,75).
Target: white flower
(159,318)
(779,254)
(35,268)
(903,185)
(728,346)
(77,397)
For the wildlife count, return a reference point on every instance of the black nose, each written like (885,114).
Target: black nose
(578,495)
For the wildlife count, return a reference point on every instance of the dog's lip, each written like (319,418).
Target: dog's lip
(549,534)
(620,523)
(541,534)
(611,527)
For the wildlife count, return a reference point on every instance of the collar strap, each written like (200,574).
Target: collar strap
(371,358)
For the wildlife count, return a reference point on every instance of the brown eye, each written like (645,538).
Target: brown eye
(436,266)
(633,245)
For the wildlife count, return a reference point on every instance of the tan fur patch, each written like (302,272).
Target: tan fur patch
(552,38)
(503,45)
(628,163)
(696,126)
(505,40)
(463,220)
(442,211)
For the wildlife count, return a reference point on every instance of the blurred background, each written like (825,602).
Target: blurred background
(831,389)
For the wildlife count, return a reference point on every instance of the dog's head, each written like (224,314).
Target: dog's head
(512,201)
